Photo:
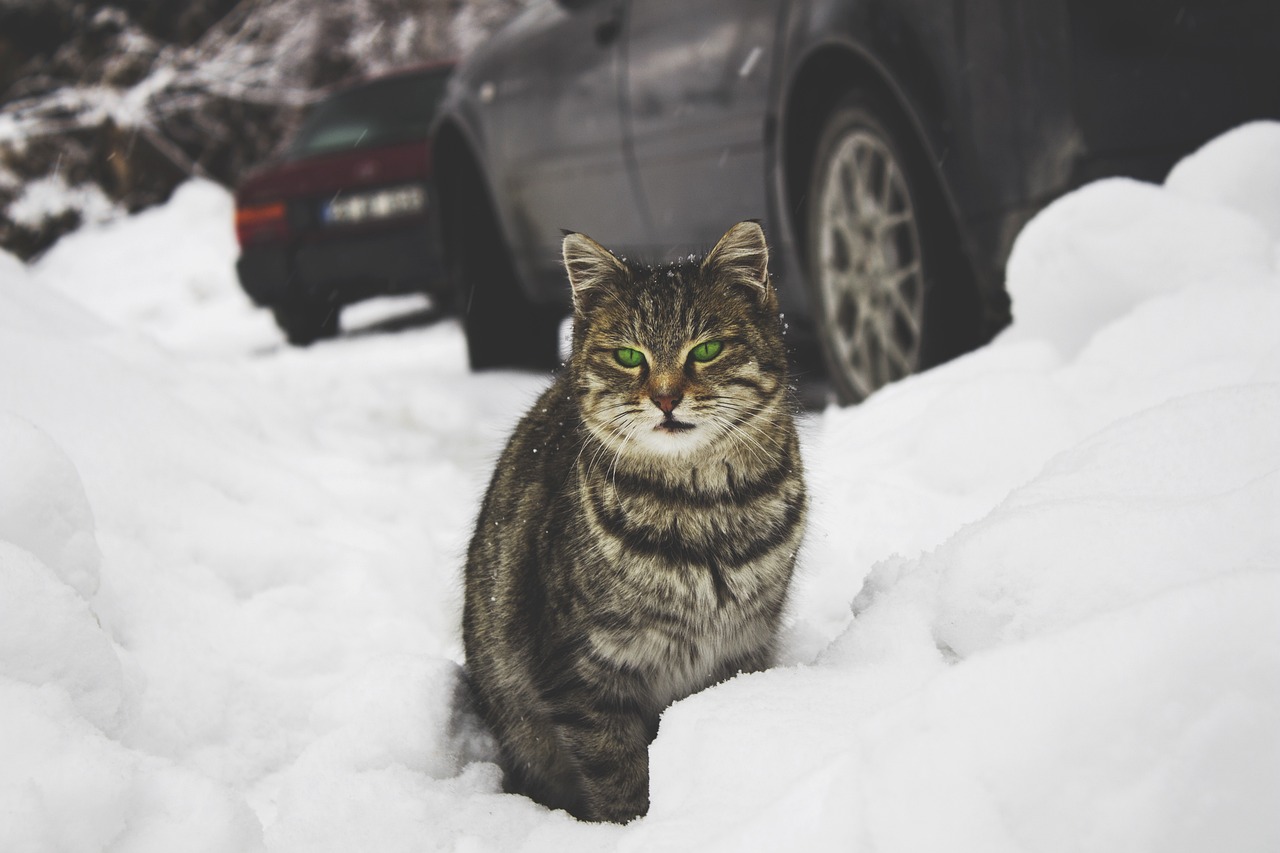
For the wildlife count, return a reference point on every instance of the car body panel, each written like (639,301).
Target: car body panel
(565,100)
(696,101)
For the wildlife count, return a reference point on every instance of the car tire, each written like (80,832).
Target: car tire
(504,328)
(876,239)
(304,323)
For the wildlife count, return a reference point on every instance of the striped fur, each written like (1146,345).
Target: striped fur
(624,556)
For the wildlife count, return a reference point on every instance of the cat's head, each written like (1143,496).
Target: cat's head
(670,361)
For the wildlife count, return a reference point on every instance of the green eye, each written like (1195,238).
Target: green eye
(707,351)
(629,357)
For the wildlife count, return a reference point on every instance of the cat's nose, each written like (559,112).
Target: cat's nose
(667,402)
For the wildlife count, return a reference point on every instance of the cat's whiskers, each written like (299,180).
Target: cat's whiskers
(745,439)
(618,426)
(615,424)
(636,426)
(602,447)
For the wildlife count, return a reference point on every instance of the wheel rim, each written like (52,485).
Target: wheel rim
(869,271)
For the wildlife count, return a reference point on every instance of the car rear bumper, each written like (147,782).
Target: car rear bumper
(344,268)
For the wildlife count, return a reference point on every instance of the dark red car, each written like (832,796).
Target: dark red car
(345,212)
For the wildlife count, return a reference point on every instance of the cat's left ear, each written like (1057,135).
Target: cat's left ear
(590,267)
(742,256)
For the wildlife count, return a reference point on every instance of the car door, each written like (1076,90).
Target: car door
(696,93)
(1168,74)
(561,133)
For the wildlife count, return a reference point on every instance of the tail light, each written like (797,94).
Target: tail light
(261,222)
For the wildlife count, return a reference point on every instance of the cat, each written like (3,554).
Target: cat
(638,537)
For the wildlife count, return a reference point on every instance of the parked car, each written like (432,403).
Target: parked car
(892,149)
(345,212)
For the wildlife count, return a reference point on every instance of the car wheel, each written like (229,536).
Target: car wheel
(304,323)
(871,251)
(503,327)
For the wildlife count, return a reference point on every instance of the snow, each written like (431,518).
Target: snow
(1036,608)
(51,196)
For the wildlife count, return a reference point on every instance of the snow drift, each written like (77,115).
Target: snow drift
(1036,609)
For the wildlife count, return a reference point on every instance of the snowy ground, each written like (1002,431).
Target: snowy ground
(1037,609)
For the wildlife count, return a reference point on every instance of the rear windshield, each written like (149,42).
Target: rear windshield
(383,112)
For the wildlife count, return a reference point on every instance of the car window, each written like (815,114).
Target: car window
(384,112)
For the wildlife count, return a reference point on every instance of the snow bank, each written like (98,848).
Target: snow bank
(1238,170)
(51,196)
(1066,639)
(1036,609)
(167,272)
(42,505)
(66,781)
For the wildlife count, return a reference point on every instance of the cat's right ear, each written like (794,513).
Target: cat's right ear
(590,267)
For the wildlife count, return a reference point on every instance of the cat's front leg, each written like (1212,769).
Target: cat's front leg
(609,743)
(615,773)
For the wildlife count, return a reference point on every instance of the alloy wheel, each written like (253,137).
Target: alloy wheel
(869,274)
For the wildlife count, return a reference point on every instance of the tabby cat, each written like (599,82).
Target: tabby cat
(639,534)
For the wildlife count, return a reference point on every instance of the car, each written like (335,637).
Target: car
(892,149)
(345,212)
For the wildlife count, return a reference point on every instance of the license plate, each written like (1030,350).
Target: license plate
(369,206)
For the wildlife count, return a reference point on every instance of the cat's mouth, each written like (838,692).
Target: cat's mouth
(673,425)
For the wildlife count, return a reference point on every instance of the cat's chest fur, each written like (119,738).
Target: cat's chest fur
(692,576)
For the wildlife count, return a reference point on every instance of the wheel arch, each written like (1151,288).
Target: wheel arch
(809,100)
(503,326)
(458,178)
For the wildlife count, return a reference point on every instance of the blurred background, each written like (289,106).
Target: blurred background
(105,108)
